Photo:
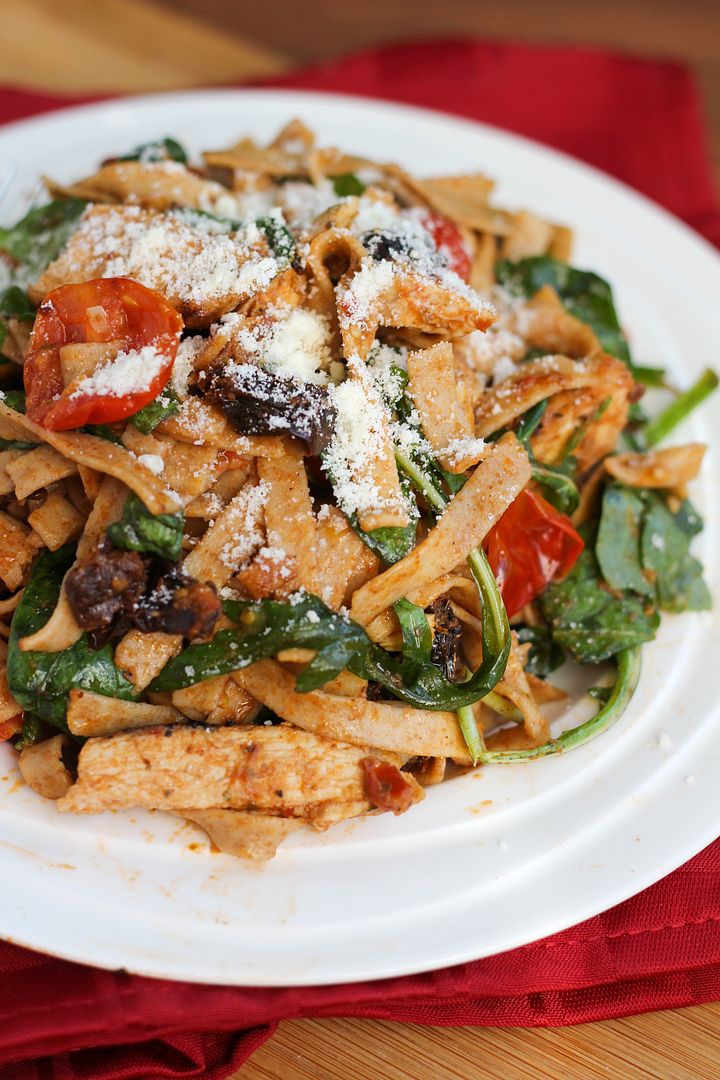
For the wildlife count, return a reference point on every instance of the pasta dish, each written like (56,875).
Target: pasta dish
(312,474)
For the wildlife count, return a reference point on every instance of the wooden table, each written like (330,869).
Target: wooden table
(132,45)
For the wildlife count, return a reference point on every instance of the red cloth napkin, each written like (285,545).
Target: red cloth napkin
(640,121)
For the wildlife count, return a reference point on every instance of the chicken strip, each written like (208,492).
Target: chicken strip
(274,769)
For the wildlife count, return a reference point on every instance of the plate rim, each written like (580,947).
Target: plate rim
(702,246)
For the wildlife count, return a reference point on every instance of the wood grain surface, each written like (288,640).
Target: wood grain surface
(130,45)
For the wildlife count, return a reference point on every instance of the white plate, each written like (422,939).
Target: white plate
(486,862)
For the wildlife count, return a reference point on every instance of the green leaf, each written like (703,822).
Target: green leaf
(589,620)
(166,149)
(417,639)
(618,540)
(14,399)
(40,681)
(153,534)
(628,676)
(102,431)
(33,731)
(395,542)
(279,238)
(544,655)
(558,486)
(264,627)
(16,303)
(40,237)
(204,221)
(148,418)
(666,555)
(529,422)
(659,428)
(347,184)
(17,444)
(584,294)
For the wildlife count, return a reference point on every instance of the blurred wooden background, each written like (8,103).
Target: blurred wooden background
(132,45)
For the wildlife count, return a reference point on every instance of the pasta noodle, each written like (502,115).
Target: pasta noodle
(293,454)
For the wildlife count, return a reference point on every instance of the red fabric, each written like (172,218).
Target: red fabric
(640,121)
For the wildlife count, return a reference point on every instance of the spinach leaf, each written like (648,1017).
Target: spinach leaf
(15,304)
(102,431)
(264,627)
(40,681)
(347,184)
(34,730)
(395,542)
(279,238)
(15,399)
(17,444)
(204,221)
(558,486)
(660,427)
(429,689)
(166,149)
(585,295)
(544,655)
(666,555)
(40,237)
(148,418)
(589,620)
(417,639)
(153,534)
(618,540)
(529,422)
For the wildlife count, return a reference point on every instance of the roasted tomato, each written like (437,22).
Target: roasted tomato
(531,545)
(142,327)
(449,240)
(386,787)
(11,727)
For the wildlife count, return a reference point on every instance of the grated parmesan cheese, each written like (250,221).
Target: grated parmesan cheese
(153,462)
(358,436)
(130,372)
(294,344)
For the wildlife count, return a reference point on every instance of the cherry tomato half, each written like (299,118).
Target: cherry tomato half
(102,310)
(448,239)
(531,545)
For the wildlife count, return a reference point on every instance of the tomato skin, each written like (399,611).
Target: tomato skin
(11,727)
(386,787)
(448,239)
(531,545)
(97,311)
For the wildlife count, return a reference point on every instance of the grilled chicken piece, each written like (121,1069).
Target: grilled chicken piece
(273,769)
